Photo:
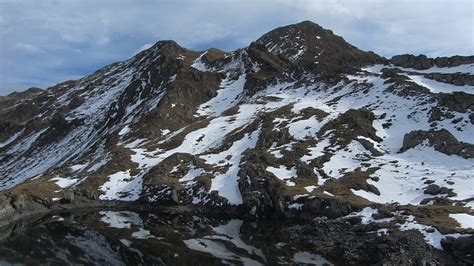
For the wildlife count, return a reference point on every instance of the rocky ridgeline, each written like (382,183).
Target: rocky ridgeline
(422,62)
(300,124)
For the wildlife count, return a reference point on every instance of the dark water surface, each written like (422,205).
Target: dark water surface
(112,237)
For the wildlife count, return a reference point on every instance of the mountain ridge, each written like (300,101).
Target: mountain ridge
(287,127)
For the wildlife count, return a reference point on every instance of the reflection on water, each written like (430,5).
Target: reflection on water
(131,238)
(215,244)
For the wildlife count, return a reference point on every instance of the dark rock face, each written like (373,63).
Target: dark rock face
(435,115)
(411,61)
(352,124)
(327,207)
(355,246)
(421,62)
(462,248)
(14,97)
(261,197)
(457,79)
(19,110)
(271,67)
(442,140)
(456,101)
(8,129)
(58,128)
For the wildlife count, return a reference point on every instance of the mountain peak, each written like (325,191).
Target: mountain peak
(167,43)
(309,43)
(294,40)
(166,48)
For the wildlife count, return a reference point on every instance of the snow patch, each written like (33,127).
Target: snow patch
(64,182)
(227,96)
(307,258)
(121,186)
(122,219)
(125,130)
(191,174)
(227,183)
(437,87)
(310,188)
(465,220)
(215,244)
(199,64)
(283,173)
(78,167)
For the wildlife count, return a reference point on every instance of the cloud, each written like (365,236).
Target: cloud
(28,48)
(44,42)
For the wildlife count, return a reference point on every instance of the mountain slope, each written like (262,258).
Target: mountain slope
(298,122)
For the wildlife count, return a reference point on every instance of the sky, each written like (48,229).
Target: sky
(44,42)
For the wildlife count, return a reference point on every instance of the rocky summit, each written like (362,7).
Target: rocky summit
(372,157)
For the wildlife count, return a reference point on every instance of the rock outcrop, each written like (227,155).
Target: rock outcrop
(421,62)
(441,140)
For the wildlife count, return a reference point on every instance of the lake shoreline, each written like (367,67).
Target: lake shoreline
(345,236)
